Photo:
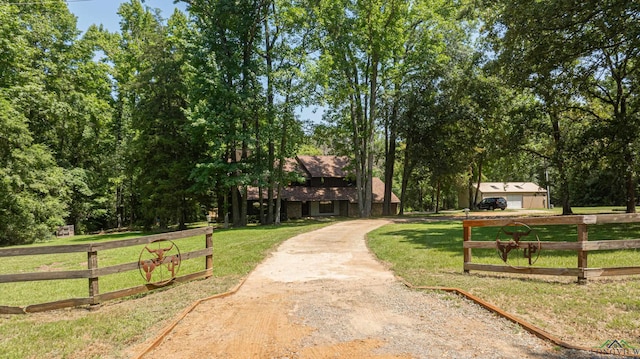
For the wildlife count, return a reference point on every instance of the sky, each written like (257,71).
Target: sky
(105,12)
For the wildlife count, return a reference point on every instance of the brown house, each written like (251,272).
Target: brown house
(324,190)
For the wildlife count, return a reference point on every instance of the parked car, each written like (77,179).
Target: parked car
(492,203)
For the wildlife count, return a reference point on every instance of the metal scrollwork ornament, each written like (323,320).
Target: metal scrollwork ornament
(516,231)
(159,262)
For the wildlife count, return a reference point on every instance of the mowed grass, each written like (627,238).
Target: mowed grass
(430,254)
(25,293)
(114,328)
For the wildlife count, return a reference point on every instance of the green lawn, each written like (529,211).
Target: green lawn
(106,332)
(539,212)
(423,253)
(430,254)
(25,293)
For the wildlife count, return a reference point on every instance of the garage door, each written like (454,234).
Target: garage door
(514,201)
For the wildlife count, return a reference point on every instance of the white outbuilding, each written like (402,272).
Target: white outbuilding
(525,195)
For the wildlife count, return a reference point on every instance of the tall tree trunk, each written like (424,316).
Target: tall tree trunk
(564,190)
(119,206)
(621,115)
(258,157)
(360,183)
(261,205)
(388,177)
(469,189)
(132,205)
(630,182)
(406,174)
(560,165)
(235,206)
(281,160)
(247,53)
(359,133)
(355,114)
(272,184)
(242,188)
(278,205)
(243,207)
(270,120)
(438,197)
(226,210)
(390,159)
(182,225)
(369,144)
(221,201)
(475,198)
(368,204)
(280,174)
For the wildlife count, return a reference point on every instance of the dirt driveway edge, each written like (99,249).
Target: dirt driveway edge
(323,294)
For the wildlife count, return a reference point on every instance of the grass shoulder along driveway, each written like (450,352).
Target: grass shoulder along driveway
(109,330)
(430,254)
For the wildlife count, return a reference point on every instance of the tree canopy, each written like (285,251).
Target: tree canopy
(173,115)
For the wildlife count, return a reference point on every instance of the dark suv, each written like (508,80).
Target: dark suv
(493,203)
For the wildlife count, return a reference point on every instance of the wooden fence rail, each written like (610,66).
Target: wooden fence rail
(93,272)
(582,246)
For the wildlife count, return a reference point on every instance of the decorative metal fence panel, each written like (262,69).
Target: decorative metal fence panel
(531,248)
(158,264)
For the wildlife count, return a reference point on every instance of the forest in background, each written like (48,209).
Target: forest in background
(155,124)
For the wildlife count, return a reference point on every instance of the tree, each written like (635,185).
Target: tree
(229,101)
(249,62)
(430,103)
(86,150)
(54,83)
(287,37)
(162,151)
(586,54)
(356,39)
(32,187)
(439,123)
(124,50)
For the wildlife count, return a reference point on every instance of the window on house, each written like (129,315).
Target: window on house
(326,207)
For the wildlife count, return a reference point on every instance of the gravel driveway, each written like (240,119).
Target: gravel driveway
(324,295)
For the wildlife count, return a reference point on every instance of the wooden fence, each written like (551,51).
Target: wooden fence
(93,272)
(582,246)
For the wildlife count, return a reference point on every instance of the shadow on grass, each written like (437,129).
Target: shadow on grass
(447,236)
(217,229)
(108,237)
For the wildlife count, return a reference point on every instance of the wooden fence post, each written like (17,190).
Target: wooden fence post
(583,236)
(209,257)
(467,251)
(92,263)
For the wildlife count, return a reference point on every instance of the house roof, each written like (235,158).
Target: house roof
(291,166)
(378,192)
(510,187)
(303,193)
(325,166)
